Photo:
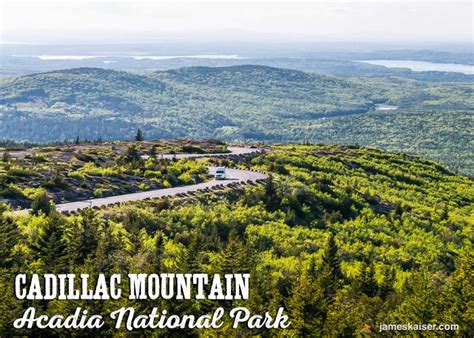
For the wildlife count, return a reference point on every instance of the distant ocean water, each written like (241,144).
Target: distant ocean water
(422,66)
(135,57)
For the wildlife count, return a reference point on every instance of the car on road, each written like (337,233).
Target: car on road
(220,173)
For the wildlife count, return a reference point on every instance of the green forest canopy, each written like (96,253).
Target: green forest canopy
(241,103)
(345,238)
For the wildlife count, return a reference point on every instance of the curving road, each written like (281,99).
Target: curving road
(233,151)
(233,176)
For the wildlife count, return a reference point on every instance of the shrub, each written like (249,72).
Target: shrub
(42,203)
(11,191)
(39,158)
(90,169)
(99,192)
(152,174)
(143,186)
(32,193)
(76,174)
(190,149)
(185,178)
(84,157)
(19,172)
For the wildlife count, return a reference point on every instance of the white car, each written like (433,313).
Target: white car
(220,173)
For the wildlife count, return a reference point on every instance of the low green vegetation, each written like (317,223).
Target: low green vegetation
(345,238)
(72,172)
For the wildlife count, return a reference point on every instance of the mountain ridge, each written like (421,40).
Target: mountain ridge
(241,103)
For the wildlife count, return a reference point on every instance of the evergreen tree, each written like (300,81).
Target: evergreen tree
(133,224)
(330,274)
(50,246)
(6,157)
(233,256)
(419,300)
(84,236)
(139,135)
(192,254)
(153,150)
(10,307)
(9,237)
(386,288)
(106,255)
(270,196)
(307,305)
(3,181)
(368,283)
(353,314)
(158,253)
(132,157)
(457,299)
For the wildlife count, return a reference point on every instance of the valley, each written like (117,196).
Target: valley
(243,104)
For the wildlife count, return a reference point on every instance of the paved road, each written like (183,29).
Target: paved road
(233,176)
(233,151)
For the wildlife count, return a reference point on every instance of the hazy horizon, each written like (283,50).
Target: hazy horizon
(390,23)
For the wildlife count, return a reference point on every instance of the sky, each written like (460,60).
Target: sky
(76,21)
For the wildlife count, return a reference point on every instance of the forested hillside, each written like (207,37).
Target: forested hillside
(254,103)
(345,238)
